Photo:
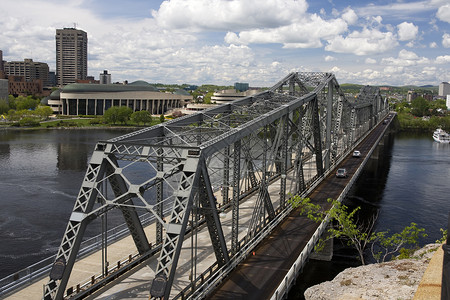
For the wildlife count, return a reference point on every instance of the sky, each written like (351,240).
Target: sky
(221,42)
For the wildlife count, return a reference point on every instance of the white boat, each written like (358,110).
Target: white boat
(441,136)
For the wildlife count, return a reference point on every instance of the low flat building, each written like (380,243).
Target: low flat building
(95,99)
(226,96)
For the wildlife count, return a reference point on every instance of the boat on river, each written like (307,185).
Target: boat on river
(441,136)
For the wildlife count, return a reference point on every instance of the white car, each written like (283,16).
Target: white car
(356,153)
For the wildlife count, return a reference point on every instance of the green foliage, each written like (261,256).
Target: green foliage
(161,118)
(44,112)
(207,98)
(360,236)
(12,102)
(116,114)
(4,107)
(444,236)
(96,121)
(29,122)
(26,103)
(419,107)
(385,245)
(142,116)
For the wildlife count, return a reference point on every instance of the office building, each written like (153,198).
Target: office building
(241,87)
(19,86)
(105,78)
(444,89)
(71,55)
(1,62)
(29,69)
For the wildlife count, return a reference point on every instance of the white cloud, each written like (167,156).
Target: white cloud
(393,70)
(405,54)
(443,59)
(443,13)
(446,40)
(350,16)
(365,42)
(407,31)
(405,58)
(305,34)
(370,61)
(429,71)
(227,15)
(399,9)
(330,58)
(433,45)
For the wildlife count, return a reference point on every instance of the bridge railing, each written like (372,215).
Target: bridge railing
(42,268)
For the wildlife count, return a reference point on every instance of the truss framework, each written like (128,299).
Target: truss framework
(302,125)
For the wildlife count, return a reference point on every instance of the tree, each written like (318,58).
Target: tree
(161,118)
(26,103)
(419,107)
(44,112)
(142,116)
(111,115)
(116,114)
(4,107)
(359,235)
(124,114)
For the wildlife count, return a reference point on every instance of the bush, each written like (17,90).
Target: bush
(30,122)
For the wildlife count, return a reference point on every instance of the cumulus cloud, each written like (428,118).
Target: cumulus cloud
(443,13)
(350,16)
(407,31)
(433,45)
(365,42)
(443,59)
(446,40)
(330,58)
(303,34)
(405,58)
(370,61)
(226,15)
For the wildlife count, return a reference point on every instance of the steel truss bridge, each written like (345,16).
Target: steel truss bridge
(186,172)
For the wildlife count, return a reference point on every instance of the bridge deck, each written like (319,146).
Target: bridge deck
(259,275)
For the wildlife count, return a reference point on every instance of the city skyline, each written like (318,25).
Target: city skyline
(222,42)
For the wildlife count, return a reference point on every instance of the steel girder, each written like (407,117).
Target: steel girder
(304,122)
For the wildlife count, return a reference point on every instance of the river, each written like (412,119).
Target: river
(42,170)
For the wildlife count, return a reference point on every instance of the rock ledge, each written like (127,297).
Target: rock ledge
(397,279)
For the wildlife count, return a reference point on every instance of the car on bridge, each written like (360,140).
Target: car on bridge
(356,153)
(341,173)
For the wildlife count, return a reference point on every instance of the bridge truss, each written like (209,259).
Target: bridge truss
(293,132)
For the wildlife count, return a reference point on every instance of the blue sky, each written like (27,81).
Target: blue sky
(226,41)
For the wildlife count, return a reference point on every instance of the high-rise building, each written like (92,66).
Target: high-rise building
(444,89)
(29,69)
(71,55)
(105,78)
(1,61)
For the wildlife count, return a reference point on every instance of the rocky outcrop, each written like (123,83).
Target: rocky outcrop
(396,279)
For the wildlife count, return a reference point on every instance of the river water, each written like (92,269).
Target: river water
(42,170)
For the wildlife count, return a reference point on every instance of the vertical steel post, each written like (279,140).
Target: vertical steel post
(235,200)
